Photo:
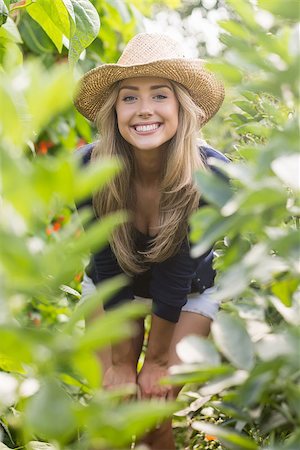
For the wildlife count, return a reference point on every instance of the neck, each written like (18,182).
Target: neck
(148,166)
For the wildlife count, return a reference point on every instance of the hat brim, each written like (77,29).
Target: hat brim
(205,88)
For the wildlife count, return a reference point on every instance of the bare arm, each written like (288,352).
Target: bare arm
(156,359)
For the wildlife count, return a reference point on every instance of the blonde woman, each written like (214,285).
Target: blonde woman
(149,108)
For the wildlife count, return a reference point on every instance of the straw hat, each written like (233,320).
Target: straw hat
(156,55)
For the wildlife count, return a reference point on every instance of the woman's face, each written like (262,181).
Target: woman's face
(147,112)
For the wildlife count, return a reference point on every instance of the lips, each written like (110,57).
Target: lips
(146,128)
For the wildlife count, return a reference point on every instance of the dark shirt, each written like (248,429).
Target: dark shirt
(168,282)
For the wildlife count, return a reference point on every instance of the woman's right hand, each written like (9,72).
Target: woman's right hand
(120,375)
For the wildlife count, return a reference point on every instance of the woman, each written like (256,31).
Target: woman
(149,108)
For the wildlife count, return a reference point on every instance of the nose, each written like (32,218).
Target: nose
(145,109)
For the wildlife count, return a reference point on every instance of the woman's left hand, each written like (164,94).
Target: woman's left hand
(148,381)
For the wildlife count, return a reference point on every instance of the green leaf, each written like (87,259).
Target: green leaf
(52,16)
(214,189)
(34,37)
(87,306)
(3,446)
(287,169)
(93,176)
(50,412)
(10,31)
(256,128)
(3,13)
(227,71)
(111,327)
(248,107)
(194,373)
(285,289)
(289,9)
(228,437)
(194,349)
(221,384)
(84,30)
(125,420)
(37,445)
(235,28)
(245,10)
(212,226)
(231,337)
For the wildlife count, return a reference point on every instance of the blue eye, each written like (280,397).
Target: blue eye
(128,98)
(160,96)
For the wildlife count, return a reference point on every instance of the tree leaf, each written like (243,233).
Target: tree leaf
(194,349)
(84,30)
(287,9)
(3,13)
(50,412)
(214,189)
(52,16)
(287,169)
(232,339)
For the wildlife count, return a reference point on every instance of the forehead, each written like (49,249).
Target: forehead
(145,81)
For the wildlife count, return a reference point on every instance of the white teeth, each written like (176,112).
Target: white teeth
(152,127)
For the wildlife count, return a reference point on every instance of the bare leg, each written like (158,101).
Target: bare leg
(189,323)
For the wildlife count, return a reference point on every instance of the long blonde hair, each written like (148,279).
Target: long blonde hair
(179,195)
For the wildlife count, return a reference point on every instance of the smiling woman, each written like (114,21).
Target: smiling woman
(149,109)
(147,113)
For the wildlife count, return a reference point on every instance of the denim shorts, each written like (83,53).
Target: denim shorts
(204,304)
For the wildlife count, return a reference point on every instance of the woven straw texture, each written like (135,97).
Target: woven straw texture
(153,55)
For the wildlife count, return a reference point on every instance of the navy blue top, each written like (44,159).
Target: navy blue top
(168,282)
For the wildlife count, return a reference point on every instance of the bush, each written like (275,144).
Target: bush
(249,373)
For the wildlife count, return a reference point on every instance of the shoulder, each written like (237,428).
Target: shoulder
(209,152)
(84,153)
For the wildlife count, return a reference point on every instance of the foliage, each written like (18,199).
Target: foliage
(254,387)
(50,376)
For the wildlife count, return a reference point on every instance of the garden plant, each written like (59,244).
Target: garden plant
(242,387)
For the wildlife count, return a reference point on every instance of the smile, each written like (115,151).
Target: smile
(146,128)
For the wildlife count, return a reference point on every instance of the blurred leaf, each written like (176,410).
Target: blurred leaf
(230,438)
(87,365)
(103,293)
(10,31)
(232,339)
(3,12)
(256,128)
(50,412)
(208,226)
(194,349)
(245,10)
(37,445)
(235,28)
(94,177)
(287,169)
(287,9)
(290,313)
(111,327)
(274,346)
(220,384)
(247,107)
(213,188)
(195,373)
(3,446)
(127,420)
(285,289)
(227,71)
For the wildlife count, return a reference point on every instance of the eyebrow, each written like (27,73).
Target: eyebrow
(158,86)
